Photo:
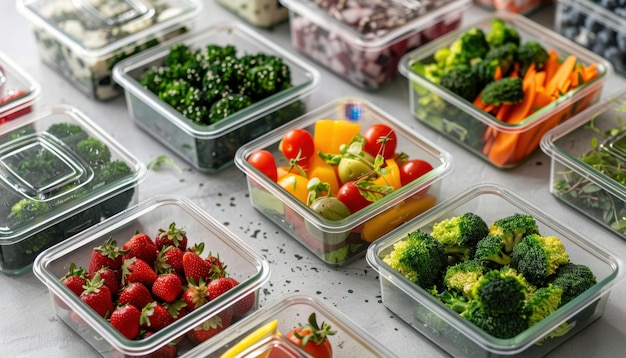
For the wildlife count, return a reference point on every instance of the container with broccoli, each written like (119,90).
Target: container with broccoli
(487,274)
(59,174)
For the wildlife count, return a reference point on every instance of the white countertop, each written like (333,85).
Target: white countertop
(30,328)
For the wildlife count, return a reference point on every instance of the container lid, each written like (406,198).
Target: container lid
(17,89)
(374,23)
(95,28)
(55,164)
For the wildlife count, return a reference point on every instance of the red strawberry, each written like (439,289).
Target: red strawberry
(218,286)
(167,287)
(172,236)
(195,295)
(169,350)
(75,279)
(155,317)
(245,304)
(98,296)
(218,268)
(170,258)
(106,255)
(196,267)
(126,320)
(136,294)
(211,326)
(110,279)
(141,246)
(137,270)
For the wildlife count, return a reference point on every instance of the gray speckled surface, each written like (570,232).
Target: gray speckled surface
(29,327)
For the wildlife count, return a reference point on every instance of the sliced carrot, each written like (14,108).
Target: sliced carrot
(551,65)
(502,113)
(566,86)
(503,148)
(577,77)
(540,78)
(515,72)
(590,72)
(562,74)
(478,102)
(498,75)
(488,108)
(520,111)
(529,76)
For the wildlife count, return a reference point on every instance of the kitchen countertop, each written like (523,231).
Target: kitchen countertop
(30,328)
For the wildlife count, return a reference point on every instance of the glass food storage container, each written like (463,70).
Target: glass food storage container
(18,90)
(242,263)
(588,157)
(267,328)
(504,143)
(457,335)
(517,6)
(261,13)
(59,174)
(342,240)
(207,143)
(83,39)
(362,41)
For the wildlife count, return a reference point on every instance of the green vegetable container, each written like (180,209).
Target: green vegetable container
(59,174)
(589,160)
(458,336)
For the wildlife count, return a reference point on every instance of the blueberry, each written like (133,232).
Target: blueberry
(598,48)
(592,24)
(616,57)
(620,11)
(606,37)
(621,41)
(570,32)
(621,3)
(573,17)
(608,4)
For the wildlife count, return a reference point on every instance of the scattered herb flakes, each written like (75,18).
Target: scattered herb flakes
(266,292)
(158,162)
(255,233)
(350,291)
(226,223)
(287,281)
(318,292)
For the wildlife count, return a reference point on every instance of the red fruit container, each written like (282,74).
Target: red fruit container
(18,90)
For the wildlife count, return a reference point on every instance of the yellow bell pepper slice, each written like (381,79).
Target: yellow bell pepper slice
(330,134)
(295,185)
(268,329)
(324,172)
(391,177)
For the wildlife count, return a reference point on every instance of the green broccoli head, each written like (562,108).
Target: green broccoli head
(507,90)
(430,71)
(420,258)
(462,276)
(543,302)
(26,210)
(500,33)
(68,133)
(505,55)
(501,291)
(574,279)
(154,78)
(504,325)
(459,235)
(512,229)
(216,53)
(179,53)
(461,81)
(531,52)
(227,106)
(538,257)
(490,252)
(470,45)
(175,93)
(94,151)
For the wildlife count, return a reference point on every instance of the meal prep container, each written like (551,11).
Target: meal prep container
(59,174)
(455,117)
(597,26)
(588,159)
(261,13)
(83,39)
(455,334)
(362,41)
(210,148)
(517,6)
(244,264)
(18,90)
(342,241)
(291,310)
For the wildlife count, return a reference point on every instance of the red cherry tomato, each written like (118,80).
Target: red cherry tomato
(323,350)
(413,169)
(380,139)
(349,195)
(264,161)
(298,144)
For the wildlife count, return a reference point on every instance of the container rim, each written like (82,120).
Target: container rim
(34,87)
(615,22)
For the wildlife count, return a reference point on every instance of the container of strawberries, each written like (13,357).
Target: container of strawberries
(161,276)
(18,90)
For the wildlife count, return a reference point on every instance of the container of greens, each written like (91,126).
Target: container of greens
(589,160)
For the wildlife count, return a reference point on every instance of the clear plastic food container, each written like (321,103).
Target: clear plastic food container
(18,90)
(59,174)
(341,241)
(261,13)
(598,26)
(244,264)
(83,39)
(362,41)
(517,6)
(211,147)
(588,158)
(500,143)
(458,336)
(291,311)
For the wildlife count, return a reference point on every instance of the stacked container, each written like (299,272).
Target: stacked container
(18,90)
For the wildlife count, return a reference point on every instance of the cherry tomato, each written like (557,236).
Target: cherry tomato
(323,350)
(349,195)
(413,169)
(264,161)
(297,144)
(380,139)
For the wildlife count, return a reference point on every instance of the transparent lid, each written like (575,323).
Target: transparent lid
(17,89)
(98,27)
(53,165)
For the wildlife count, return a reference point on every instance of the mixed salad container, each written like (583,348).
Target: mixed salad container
(261,13)
(18,90)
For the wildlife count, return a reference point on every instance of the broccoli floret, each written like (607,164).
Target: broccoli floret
(470,45)
(537,257)
(69,133)
(25,210)
(430,71)
(461,81)
(531,52)
(227,106)
(574,279)
(17,133)
(155,78)
(462,276)
(542,303)
(507,90)
(175,93)
(501,291)
(459,235)
(500,33)
(504,56)
(216,53)
(504,325)
(512,229)
(420,258)
(490,252)
(179,53)
(94,152)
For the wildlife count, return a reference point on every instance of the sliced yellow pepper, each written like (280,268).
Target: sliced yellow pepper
(391,177)
(330,134)
(296,185)
(324,172)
